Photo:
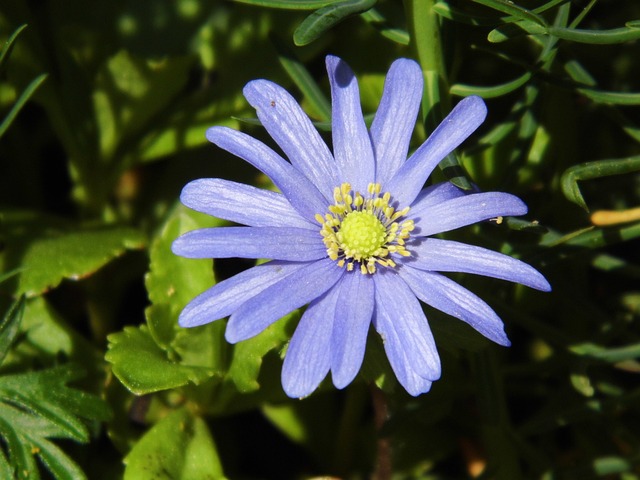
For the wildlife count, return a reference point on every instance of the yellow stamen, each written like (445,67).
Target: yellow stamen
(364,230)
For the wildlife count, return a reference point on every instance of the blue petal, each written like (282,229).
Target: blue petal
(241,203)
(309,354)
(467,115)
(224,298)
(446,295)
(297,189)
(433,254)
(397,306)
(353,316)
(463,211)
(351,144)
(292,130)
(393,124)
(294,291)
(435,194)
(276,243)
(401,365)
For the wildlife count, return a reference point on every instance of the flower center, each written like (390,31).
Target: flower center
(364,230)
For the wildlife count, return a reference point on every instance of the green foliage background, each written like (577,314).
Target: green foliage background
(103,109)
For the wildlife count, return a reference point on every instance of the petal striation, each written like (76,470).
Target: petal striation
(463,120)
(240,203)
(276,243)
(395,119)
(294,133)
(433,254)
(447,296)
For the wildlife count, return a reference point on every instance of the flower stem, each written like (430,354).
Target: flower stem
(383,469)
(424,30)
(496,431)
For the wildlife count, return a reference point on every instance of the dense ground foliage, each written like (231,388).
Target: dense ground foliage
(103,113)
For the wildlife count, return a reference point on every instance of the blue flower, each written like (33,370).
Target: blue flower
(350,234)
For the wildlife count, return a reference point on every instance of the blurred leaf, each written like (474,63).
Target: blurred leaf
(36,407)
(374,18)
(607,354)
(178,447)
(327,17)
(606,466)
(130,91)
(9,43)
(303,80)
(24,98)
(49,249)
(591,170)
(143,367)
(289,4)
(10,326)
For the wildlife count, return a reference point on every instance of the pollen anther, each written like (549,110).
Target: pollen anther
(364,230)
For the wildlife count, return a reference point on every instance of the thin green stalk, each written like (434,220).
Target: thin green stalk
(496,431)
(426,42)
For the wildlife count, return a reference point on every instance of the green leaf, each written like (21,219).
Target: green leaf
(327,17)
(143,367)
(21,101)
(591,170)
(516,11)
(10,326)
(8,45)
(178,447)
(289,4)
(130,91)
(303,80)
(463,90)
(248,355)
(38,406)
(172,280)
(374,18)
(49,249)
(607,354)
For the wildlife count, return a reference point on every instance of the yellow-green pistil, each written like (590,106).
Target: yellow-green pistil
(364,230)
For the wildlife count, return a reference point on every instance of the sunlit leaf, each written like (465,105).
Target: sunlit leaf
(591,170)
(179,447)
(327,17)
(50,249)
(143,367)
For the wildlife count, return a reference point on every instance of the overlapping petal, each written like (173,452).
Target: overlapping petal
(466,116)
(409,323)
(295,290)
(351,325)
(308,357)
(447,296)
(240,203)
(463,211)
(332,333)
(413,383)
(433,254)
(298,190)
(351,144)
(225,297)
(292,130)
(295,244)
(393,123)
